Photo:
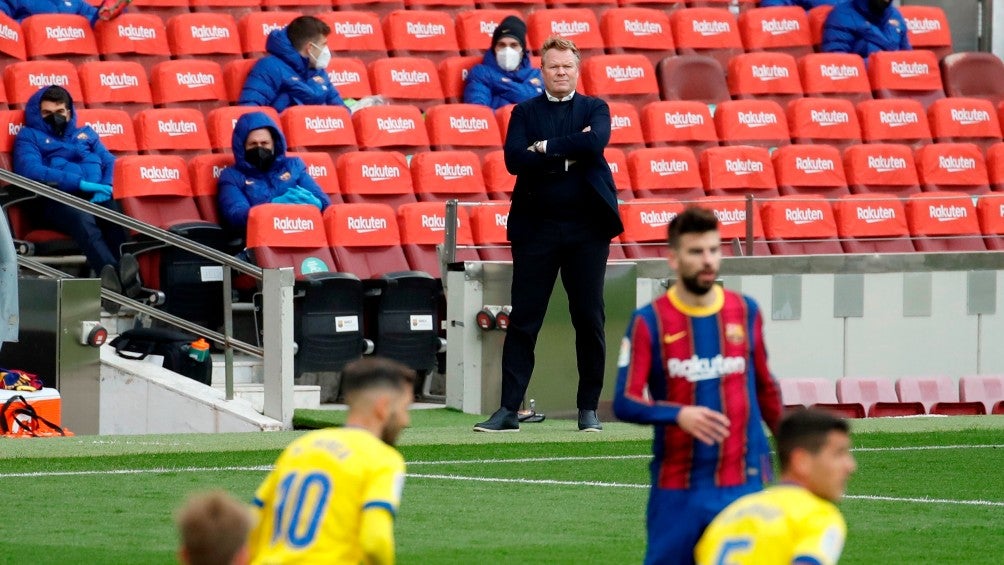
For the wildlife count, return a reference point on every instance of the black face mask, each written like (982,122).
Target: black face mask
(57,122)
(878,7)
(260,158)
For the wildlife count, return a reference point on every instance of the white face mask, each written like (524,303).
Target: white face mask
(323,58)
(508,58)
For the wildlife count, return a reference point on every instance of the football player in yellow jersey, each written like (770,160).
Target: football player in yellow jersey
(333,493)
(796,521)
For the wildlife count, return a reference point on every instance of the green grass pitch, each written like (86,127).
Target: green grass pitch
(927,490)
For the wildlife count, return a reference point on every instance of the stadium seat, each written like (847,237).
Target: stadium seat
(965,120)
(488,226)
(380,8)
(453,76)
(810,170)
(365,239)
(115,85)
(667,6)
(162,8)
(817,19)
(676,123)
(451,7)
(620,78)
(498,181)
(815,392)
(872,223)
(62,37)
(645,226)
(737,171)
(350,77)
(311,7)
(957,167)
(695,78)
(137,37)
(764,76)
(944,221)
(469,127)
(321,168)
(881,168)
(189,83)
(995,167)
(205,35)
(502,115)
(439,176)
(732,218)
(423,227)
(894,121)
(990,210)
(906,74)
(407,80)
(394,127)
(420,33)
(172,131)
(375,177)
(760,123)
(114,127)
(236,9)
(578,24)
(638,31)
(617,161)
(734,6)
(800,224)
(939,395)
(625,127)
(234,74)
(598,7)
(832,121)
(204,172)
(220,124)
(327,129)
(927,28)
(707,31)
(974,75)
(988,389)
(356,34)
(24,79)
(877,396)
(14,120)
(783,29)
(665,172)
(475,28)
(255,27)
(835,75)
(12,48)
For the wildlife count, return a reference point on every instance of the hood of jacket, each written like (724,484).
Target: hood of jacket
(33,115)
(278,44)
(522,72)
(245,125)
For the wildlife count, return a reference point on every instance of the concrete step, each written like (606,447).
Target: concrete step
(304,396)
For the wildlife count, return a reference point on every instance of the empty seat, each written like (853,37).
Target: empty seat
(760,123)
(645,226)
(625,127)
(498,181)
(117,85)
(379,8)
(62,37)
(350,77)
(24,79)
(897,120)
(617,161)
(204,172)
(319,128)
(988,389)
(693,77)
(835,75)
(817,19)
(638,31)
(235,8)
(255,27)
(420,33)
(470,127)
(831,121)
(995,166)
(944,221)
(974,75)
(737,171)
(781,29)
(764,76)
(939,395)
(438,176)
(453,76)
(407,80)
(872,223)
(800,225)
(665,172)
(190,83)
(173,131)
(163,8)
(423,227)
(488,224)
(312,7)
(877,396)
(234,74)
(598,7)
(451,7)
(815,392)
(365,239)
(220,124)
(394,127)
(668,6)
(990,210)
(578,24)
(620,78)
(206,35)
(906,74)
(114,127)
(321,168)
(375,176)
(707,31)
(137,37)
(476,27)
(810,169)
(357,34)
(679,123)
(967,120)
(732,218)
(927,28)
(883,168)
(955,167)
(12,46)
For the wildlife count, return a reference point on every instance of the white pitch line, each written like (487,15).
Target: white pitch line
(526,481)
(925,500)
(133,471)
(928,447)
(530,460)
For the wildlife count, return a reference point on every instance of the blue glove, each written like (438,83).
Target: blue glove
(307,197)
(94,187)
(288,197)
(100,197)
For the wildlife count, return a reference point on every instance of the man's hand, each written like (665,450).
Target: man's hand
(704,424)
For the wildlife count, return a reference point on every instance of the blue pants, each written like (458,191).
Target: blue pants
(677,518)
(98,239)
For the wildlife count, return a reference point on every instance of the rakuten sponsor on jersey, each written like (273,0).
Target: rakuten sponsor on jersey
(701,368)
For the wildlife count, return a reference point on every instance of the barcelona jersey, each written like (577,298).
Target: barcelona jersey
(778,526)
(311,504)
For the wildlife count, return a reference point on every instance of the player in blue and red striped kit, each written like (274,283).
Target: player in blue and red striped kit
(693,364)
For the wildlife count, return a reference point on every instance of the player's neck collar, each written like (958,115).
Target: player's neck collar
(698,311)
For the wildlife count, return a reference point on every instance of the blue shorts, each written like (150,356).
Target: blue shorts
(677,518)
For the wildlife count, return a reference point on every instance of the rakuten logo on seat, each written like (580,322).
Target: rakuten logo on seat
(757,119)
(466,124)
(768,73)
(624,74)
(742,167)
(289,225)
(969,116)
(342,78)
(886,164)
(136,33)
(909,70)
(269,28)
(944,213)
(641,29)
(569,29)
(425,30)
(665,168)
(826,118)
(680,120)
(6,32)
(195,80)
(487,27)
(920,26)
(702,368)
(106,129)
(501,220)
(710,28)
(317,171)
(39,81)
(620,122)
(118,81)
(64,33)
(174,128)
(874,215)
(409,78)
(378,173)
(159,174)
(13,129)
(367,225)
(210,33)
(453,171)
(896,119)
(353,29)
(839,72)
(323,124)
(434,222)
(657,218)
(779,27)
(813,165)
(803,216)
(956,164)
(730,217)
(395,125)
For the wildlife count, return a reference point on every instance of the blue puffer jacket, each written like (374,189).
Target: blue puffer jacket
(242,185)
(806,4)
(60,161)
(489,85)
(21,9)
(285,78)
(851,28)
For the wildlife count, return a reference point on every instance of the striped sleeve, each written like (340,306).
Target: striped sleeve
(632,401)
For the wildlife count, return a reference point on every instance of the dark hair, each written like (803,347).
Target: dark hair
(57,94)
(806,429)
(305,28)
(375,372)
(693,219)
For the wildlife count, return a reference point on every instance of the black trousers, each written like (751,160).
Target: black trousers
(98,239)
(581,259)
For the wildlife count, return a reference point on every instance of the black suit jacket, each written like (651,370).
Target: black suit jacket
(531,168)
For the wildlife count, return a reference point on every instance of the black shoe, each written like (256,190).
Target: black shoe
(129,275)
(503,420)
(588,422)
(110,280)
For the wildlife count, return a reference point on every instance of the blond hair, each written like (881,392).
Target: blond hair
(214,528)
(561,44)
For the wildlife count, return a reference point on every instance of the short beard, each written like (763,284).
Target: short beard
(694,287)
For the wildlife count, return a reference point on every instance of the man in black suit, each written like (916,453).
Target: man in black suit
(563,215)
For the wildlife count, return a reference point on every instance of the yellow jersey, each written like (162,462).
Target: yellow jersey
(773,527)
(311,504)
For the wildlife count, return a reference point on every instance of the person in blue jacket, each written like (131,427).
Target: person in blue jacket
(864,27)
(805,4)
(52,149)
(262,173)
(505,76)
(21,9)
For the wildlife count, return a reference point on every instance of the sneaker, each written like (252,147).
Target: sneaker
(588,422)
(129,276)
(110,281)
(503,420)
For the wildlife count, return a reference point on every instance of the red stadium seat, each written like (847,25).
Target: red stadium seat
(475,29)
(375,176)
(439,176)
(234,74)
(189,83)
(707,31)
(679,123)
(391,128)
(760,123)
(668,6)
(877,396)
(62,37)
(114,127)
(220,124)
(927,28)
(12,48)
(502,115)
(881,168)
(488,224)
(733,6)
(172,131)
(255,27)
(312,7)
(740,170)
(137,37)
(578,24)
(115,85)
(625,127)
(617,161)
(453,76)
(939,395)
(995,166)
(872,223)
(379,8)
(974,75)
(955,167)
(22,80)
(645,226)
(205,35)
(350,77)
(990,210)
(235,8)
(407,80)
(800,225)
(319,128)
(693,77)
(817,18)
(156,190)
(835,75)
(966,120)
(451,7)
(365,239)
(423,227)
(764,76)
(894,121)
(14,120)
(944,221)
(638,31)
(356,34)
(420,33)
(810,170)
(785,30)
(988,389)
(470,127)
(498,181)
(321,168)
(305,248)
(204,172)
(815,393)
(824,120)
(732,218)
(598,7)
(620,78)
(162,8)
(906,74)
(665,172)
